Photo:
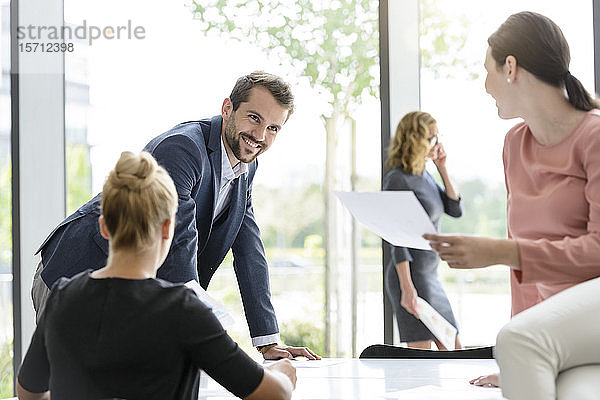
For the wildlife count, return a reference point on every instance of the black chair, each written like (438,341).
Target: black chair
(387,351)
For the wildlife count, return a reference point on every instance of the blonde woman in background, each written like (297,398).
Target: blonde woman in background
(412,273)
(119,332)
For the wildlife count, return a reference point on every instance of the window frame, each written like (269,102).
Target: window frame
(37,139)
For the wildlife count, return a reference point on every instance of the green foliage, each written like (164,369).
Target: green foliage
(312,242)
(305,334)
(79,176)
(79,183)
(6,370)
(231,299)
(442,40)
(334,44)
(295,217)
(291,215)
(5,214)
(484,210)
(6,356)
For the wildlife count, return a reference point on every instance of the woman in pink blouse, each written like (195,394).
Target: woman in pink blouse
(551,164)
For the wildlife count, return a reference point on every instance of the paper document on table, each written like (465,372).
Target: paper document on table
(437,324)
(432,392)
(305,363)
(395,216)
(217,307)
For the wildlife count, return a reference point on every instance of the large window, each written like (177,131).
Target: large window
(121,93)
(326,281)
(325,270)
(6,322)
(77,107)
(453,44)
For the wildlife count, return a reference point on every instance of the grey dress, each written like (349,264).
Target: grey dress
(423,263)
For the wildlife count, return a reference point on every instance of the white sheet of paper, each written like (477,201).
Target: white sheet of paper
(395,216)
(217,307)
(437,324)
(304,363)
(432,392)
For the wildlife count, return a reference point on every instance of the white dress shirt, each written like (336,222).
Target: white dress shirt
(228,177)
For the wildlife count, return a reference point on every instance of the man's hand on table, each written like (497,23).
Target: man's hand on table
(281,351)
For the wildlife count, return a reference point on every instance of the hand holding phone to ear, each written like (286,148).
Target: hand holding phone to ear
(438,155)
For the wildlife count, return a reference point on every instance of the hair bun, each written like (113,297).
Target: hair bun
(134,172)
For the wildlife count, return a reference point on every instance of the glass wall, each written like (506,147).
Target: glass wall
(6,313)
(327,291)
(453,44)
(77,107)
(121,93)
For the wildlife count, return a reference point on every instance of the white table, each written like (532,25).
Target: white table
(405,379)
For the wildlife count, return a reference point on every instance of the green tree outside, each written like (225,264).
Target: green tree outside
(6,355)
(484,210)
(79,176)
(5,214)
(336,46)
(6,370)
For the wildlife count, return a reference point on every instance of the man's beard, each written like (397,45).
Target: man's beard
(233,138)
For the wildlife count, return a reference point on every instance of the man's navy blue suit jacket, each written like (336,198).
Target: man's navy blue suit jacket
(191,153)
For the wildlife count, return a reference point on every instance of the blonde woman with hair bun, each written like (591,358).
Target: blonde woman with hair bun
(119,332)
(412,273)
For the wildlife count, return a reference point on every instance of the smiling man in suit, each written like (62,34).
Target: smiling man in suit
(212,162)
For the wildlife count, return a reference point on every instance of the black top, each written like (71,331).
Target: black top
(131,339)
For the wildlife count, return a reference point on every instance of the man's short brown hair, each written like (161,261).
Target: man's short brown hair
(280,90)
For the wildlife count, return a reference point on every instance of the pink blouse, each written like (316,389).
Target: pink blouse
(553,210)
